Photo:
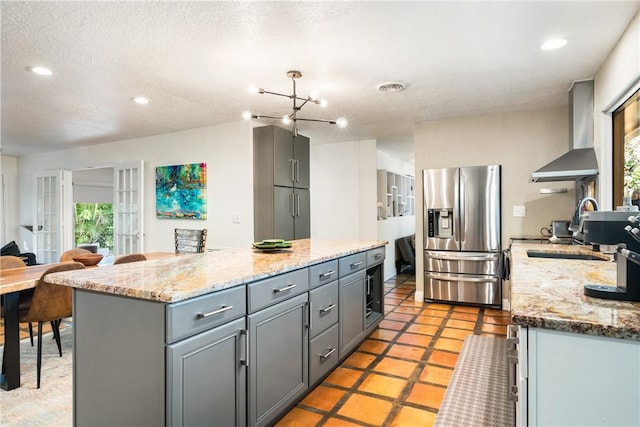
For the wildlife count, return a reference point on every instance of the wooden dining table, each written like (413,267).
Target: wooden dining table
(12,282)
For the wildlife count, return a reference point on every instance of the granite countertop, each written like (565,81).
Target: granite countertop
(548,293)
(186,276)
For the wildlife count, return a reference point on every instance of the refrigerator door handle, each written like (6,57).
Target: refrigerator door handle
(460,234)
(464,258)
(460,278)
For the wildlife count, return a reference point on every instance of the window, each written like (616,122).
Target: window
(626,151)
(94,224)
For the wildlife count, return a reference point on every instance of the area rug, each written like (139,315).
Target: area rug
(51,404)
(477,392)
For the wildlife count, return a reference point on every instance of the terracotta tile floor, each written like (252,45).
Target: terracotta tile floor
(398,376)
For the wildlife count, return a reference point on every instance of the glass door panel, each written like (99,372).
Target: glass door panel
(128,215)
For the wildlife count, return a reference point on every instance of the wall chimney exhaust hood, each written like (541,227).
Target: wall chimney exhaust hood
(580,162)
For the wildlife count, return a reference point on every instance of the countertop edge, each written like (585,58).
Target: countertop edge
(76,279)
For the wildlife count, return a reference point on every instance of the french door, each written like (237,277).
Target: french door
(128,208)
(52,215)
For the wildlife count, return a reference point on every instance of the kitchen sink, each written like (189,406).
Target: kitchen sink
(544,254)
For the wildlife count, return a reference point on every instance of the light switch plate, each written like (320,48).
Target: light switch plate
(519,211)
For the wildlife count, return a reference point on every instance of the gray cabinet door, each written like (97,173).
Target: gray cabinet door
(206,378)
(302,214)
(283,161)
(352,311)
(283,219)
(301,157)
(278,359)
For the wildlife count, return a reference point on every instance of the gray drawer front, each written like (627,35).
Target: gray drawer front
(275,289)
(324,307)
(352,263)
(195,315)
(320,361)
(375,256)
(323,273)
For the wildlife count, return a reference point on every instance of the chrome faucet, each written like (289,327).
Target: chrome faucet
(578,216)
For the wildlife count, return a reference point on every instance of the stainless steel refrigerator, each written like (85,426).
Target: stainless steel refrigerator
(462,238)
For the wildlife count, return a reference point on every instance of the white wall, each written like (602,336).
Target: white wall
(521,142)
(93,185)
(617,73)
(227,150)
(9,229)
(396,226)
(343,190)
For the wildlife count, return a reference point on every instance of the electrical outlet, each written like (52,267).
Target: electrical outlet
(235,219)
(519,211)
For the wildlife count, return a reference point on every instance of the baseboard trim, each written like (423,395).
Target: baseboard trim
(419,296)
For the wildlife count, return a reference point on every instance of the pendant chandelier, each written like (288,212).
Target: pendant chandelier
(292,119)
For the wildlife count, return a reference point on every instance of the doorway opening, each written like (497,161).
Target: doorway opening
(93,200)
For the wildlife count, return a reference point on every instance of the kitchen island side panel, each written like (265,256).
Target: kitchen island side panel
(118,361)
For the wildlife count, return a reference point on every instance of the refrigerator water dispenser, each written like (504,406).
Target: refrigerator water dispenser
(440,223)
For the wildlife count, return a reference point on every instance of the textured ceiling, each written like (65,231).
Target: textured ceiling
(194,61)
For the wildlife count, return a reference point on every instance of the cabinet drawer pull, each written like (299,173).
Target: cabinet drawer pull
(329,308)
(286,288)
(327,354)
(327,274)
(377,256)
(355,264)
(214,312)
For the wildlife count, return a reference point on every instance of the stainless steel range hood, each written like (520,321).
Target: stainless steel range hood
(580,161)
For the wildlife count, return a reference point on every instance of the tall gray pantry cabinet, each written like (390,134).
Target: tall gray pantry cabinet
(281,194)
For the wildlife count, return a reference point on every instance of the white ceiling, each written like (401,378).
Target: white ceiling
(194,61)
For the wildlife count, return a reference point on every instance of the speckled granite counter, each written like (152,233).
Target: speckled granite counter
(548,293)
(179,278)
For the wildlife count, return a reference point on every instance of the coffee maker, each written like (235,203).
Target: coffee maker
(616,228)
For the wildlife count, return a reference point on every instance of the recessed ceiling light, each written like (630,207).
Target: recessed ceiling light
(140,100)
(43,71)
(553,44)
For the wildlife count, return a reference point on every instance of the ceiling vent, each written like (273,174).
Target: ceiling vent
(391,86)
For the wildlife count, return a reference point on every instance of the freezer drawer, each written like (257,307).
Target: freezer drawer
(462,288)
(484,263)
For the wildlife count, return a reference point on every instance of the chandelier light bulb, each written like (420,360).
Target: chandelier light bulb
(342,122)
(314,95)
(286,120)
(323,103)
(553,44)
(140,100)
(43,71)
(246,115)
(253,90)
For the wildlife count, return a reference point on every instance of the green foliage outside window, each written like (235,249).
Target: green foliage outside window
(94,224)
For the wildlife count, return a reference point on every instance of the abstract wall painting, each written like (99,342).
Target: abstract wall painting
(181,191)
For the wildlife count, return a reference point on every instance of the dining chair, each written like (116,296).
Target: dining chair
(10,261)
(50,303)
(190,241)
(130,258)
(68,255)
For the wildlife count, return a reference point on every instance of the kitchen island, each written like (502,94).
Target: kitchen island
(230,337)
(576,359)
